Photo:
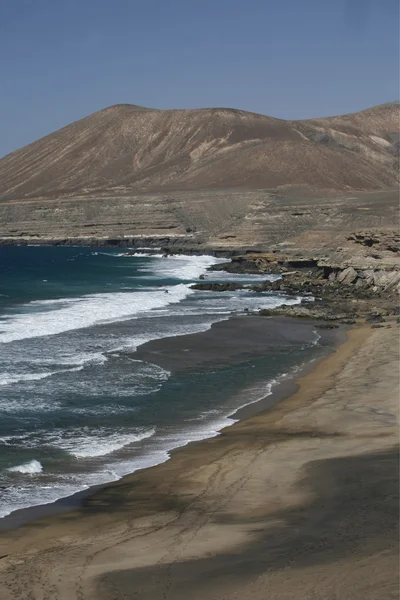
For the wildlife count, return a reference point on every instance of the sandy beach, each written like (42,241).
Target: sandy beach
(298,501)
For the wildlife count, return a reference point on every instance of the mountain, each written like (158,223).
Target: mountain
(210,176)
(125,148)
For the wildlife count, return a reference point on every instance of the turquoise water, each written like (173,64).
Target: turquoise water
(76,408)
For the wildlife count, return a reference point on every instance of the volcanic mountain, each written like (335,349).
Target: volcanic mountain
(129,171)
(126,148)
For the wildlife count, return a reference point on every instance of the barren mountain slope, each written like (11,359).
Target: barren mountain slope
(127,149)
(379,120)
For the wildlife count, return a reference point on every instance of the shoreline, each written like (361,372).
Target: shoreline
(178,245)
(299,500)
(283,387)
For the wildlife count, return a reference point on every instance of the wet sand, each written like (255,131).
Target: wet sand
(235,341)
(299,501)
(213,348)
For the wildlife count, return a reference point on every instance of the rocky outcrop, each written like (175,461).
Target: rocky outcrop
(319,313)
(346,277)
(377,280)
(313,274)
(382,240)
(338,291)
(217,287)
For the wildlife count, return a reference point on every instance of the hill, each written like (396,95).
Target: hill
(220,177)
(125,148)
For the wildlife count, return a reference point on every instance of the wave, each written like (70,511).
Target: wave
(7,379)
(146,248)
(250,278)
(86,311)
(17,497)
(79,443)
(75,360)
(113,254)
(80,359)
(209,424)
(26,405)
(30,468)
(85,447)
(101,443)
(181,266)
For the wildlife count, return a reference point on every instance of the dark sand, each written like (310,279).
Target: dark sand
(233,341)
(258,337)
(299,501)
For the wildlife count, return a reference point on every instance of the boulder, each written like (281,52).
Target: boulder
(368,275)
(375,318)
(389,279)
(348,276)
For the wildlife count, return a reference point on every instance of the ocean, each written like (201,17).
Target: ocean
(77,408)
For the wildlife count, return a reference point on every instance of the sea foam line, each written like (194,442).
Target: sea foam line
(86,311)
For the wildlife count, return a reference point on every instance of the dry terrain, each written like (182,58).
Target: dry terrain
(299,502)
(209,176)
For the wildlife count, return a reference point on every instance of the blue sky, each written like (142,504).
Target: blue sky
(64,59)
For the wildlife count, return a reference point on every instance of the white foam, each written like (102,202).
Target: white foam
(228,303)
(30,468)
(144,255)
(8,379)
(85,443)
(69,314)
(76,313)
(93,446)
(17,497)
(160,452)
(80,359)
(185,268)
(18,405)
(244,278)
(113,254)
(80,443)
(316,339)
(145,248)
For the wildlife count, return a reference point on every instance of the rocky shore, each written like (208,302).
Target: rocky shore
(359,278)
(344,285)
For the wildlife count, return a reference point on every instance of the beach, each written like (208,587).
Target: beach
(299,500)
(79,407)
(263,342)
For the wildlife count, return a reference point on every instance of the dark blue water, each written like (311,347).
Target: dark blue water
(76,407)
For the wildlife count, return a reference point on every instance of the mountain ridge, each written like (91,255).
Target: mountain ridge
(130,148)
(204,178)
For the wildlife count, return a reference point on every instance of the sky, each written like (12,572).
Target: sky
(64,59)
